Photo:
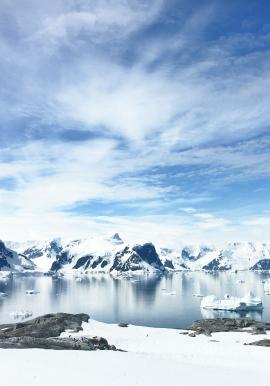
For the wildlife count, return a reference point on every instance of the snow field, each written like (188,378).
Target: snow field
(155,357)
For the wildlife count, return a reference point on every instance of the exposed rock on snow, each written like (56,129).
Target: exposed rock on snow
(136,258)
(227,324)
(263,343)
(110,254)
(218,264)
(46,326)
(263,264)
(13,261)
(44,331)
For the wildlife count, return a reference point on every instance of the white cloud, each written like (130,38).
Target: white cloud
(189,210)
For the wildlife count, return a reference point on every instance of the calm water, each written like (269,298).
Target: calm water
(112,300)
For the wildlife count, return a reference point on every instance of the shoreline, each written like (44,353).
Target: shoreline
(154,356)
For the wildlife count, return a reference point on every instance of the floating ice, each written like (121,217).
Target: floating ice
(198,295)
(241,281)
(31,292)
(24,314)
(169,293)
(2,295)
(231,303)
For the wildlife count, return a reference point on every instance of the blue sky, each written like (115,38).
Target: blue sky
(150,119)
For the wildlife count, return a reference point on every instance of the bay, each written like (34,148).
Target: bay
(140,300)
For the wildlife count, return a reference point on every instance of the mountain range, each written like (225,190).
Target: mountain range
(110,254)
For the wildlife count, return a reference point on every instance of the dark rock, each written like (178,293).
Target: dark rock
(84,260)
(98,340)
(192,334)
(46,326)
(218,264)
(263,264)
(168,264)
(183,333)
(61,259)
(44,331)
(130,259)
(123,325)
(264,343)
(226,324)
(47,343)
(96,263)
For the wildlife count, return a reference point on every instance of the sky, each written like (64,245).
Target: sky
(147,118)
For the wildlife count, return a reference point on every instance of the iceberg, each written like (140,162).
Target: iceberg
(24,314)
(214,303)
(252,302)
(231,303)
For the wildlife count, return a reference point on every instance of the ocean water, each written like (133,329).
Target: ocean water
(142,302)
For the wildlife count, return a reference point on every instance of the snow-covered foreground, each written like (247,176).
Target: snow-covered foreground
(155,357)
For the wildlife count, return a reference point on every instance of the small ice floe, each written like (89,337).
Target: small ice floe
(231,303)
(169,293)
(24,314)
(3,295)
(198,295)
(31,292)
(241,281)
(78,279)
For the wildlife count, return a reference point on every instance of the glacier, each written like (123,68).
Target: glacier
(110,254)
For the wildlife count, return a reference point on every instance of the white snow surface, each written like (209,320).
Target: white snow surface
(154,356)
(231,303)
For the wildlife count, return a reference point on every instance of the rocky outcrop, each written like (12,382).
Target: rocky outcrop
(227,324)
(263,264)
(13,261)
(46,326)
(262,343)
(44,331)
(49,249)
(136,258)
(4,255)
(218,264)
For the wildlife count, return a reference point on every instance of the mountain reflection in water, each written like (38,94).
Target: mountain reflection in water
(117,300)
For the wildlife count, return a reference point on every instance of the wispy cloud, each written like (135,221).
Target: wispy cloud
(139,104)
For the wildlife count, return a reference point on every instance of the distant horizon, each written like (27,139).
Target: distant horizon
(148,118)
(159,244)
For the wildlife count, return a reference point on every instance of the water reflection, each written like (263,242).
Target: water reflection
(213,314)
(140,302)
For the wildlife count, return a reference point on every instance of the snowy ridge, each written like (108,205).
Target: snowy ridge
(110,254)
(13,261)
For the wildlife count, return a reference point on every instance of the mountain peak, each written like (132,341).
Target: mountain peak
(115,236)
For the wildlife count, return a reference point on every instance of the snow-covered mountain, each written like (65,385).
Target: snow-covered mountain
(111,255)
(13,261)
